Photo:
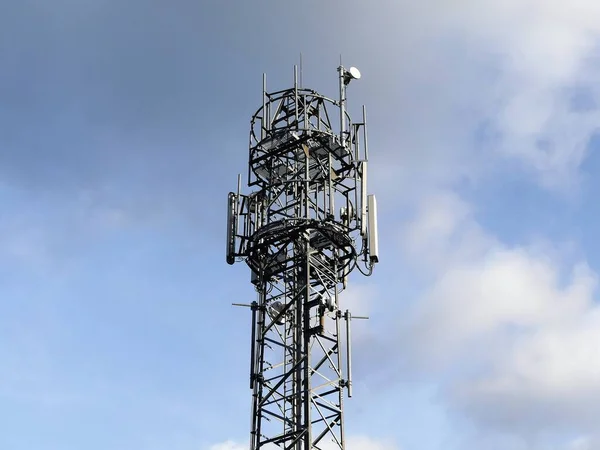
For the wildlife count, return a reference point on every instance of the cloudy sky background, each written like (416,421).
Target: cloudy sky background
(122,128)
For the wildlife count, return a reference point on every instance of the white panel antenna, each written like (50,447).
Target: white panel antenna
(373,238)
(231,226)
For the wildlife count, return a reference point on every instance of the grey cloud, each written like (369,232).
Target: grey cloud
(98,83)
(144,104)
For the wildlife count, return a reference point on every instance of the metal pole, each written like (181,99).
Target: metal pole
(349,352)
(265,118)
(253,345)
(338,318)
(306,333)
(342,107)
(365,133)
(301,83)
(296,95)
(298,375)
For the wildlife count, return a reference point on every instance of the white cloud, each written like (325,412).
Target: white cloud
(477,83)
(543,50)
(366,443)
(23,244)
(357,298)
(443,231)
(228,445)
(40,236)
(584,443)
(353,443)
(511,334)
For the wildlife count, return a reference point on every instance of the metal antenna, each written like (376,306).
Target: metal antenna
(301,84)
(305,225)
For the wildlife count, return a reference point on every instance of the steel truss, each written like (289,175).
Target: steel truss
(300,249)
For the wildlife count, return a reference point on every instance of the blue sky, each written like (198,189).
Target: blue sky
(122,128)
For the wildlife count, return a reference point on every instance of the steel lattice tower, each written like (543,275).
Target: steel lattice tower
(308,223)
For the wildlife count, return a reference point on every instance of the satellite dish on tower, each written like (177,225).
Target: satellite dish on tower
(351,74)
(354,73)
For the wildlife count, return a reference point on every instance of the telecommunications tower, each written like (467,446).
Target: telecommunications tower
(306,225)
